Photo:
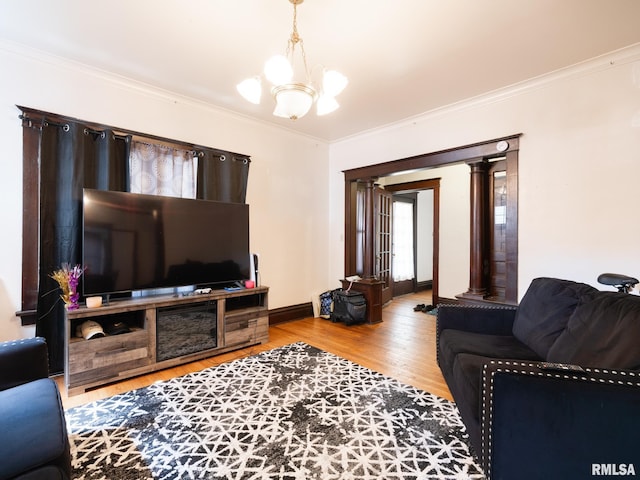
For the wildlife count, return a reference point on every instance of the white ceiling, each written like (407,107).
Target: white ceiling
(402,57)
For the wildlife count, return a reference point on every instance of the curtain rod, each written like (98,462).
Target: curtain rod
(120,131)
(66,127)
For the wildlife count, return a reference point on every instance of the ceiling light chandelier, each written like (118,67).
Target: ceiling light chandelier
(294,99)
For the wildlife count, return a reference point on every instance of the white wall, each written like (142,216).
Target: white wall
(288,177)
(579,167)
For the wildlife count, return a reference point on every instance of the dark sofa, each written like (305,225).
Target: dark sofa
(549,389)
(33,436)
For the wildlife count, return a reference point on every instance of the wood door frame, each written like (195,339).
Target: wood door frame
(477,152)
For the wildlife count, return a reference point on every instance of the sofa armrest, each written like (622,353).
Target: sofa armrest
(540,421)
(23,361)
(490,320)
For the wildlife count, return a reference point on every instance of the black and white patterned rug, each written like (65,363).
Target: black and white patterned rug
(294,412)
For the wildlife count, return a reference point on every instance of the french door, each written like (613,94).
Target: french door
(384,241)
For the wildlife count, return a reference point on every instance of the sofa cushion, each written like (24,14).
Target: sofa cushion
(602,332)
(453,342)
(544,311)
(461,356)
(465,388)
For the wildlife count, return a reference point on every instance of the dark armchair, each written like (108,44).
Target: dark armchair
(33,436)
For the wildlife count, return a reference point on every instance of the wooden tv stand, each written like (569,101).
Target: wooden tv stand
(239,318)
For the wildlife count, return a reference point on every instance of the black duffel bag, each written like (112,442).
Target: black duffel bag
(349,307)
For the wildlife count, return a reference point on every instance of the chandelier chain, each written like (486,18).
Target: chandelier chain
(296,39)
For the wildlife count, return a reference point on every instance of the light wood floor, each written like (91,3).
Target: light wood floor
(401,347)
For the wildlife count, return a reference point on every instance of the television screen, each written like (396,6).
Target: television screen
(137,242)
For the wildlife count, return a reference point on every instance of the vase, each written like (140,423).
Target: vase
(74,297)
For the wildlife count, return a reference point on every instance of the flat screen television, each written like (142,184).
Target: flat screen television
(134,242)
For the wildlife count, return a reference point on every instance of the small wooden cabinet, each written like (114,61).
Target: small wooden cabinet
(372,291)
(227,320)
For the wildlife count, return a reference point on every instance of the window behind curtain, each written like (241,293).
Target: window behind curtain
(160,170)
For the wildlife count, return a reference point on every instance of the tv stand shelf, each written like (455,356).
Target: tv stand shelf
(164,331)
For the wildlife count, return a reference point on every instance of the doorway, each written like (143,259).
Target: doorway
(420,200)
(404,261)
(480,244)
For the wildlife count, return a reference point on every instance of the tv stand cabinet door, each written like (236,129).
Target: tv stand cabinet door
(102,359)
(245,328)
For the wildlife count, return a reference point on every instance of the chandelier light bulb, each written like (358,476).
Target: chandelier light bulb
(326,104)
(278,70)
(333,82)
(251,89)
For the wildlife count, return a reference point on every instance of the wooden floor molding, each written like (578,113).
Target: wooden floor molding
(286,314)
(402,346)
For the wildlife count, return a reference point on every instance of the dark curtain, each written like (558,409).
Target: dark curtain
(222,177)
(71,157)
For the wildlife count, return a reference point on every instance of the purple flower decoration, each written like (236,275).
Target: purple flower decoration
(67,278)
